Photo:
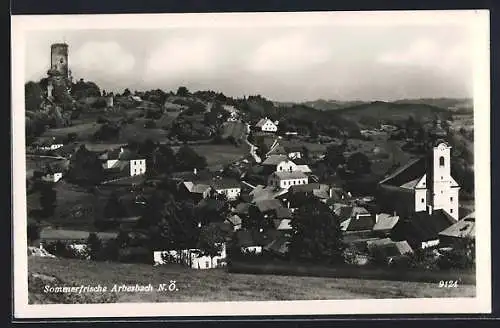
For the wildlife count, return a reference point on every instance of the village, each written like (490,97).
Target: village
(229,185)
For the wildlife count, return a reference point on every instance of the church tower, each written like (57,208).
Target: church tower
(444,187)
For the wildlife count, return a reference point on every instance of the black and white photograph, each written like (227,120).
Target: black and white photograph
(251,164)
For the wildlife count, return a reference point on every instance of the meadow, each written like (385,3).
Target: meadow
(219,285)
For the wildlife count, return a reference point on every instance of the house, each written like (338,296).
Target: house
(297,194)
(279,245)
(227,186)
(421,229)
(49,143)
(123,161)
(197,191)
(384,223)
(249,241)
(285,180)
(279,163)
(266,125)
(54,171)
(260,193)
(294,151)
(192,258)
(235,221)
(269,207)
(389,251)
(464,228)
(422,184)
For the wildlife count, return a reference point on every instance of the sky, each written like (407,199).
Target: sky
(281,63)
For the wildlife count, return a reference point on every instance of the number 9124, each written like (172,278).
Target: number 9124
(448,284)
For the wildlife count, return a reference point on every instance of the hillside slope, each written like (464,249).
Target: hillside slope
(212,285)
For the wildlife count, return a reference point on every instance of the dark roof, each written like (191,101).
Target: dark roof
(385,222)
(224,183)
(308,187)
(275,159)
(268,205)
(283,213)
(242,208)
(424,226)
(364,222)
(414,169)
(461,229)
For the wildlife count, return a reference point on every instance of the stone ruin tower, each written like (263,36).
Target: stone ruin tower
(59,73)
(59,81)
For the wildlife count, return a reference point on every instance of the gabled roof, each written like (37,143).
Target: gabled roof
(279,245)
(346,212)
(283,213)
(465,228)
(196,188)
(268,205)
(235,220)
(242,208)
(385,222)
(224,183)
(360,224)
(425,226)
(284,225)
(275,159)
(303,168)
(308,187)
(262,193)
(290,175)
(413,170)
(263,121)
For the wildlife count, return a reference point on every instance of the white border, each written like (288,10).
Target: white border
(478,20)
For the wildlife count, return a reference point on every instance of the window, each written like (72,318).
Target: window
(207,264)
(280,168)
(451,199)
(422,200)
(451,210)
(441,161)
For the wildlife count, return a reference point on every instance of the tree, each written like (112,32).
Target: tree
(262,148)
(334,156)
(48,199)
(114,208)
(85,168)
(316,234)
(182,91)
(33,230)
(33,96)
(359,163)
(210,240)
(187,159)
(94,246)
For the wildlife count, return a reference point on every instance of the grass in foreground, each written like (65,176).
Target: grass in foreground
(218,285)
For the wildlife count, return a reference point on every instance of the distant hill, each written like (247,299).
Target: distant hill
(370,114)
(322,104)
(448,103)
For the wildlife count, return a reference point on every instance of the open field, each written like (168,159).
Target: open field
(235,129)
(84,131)
(219,285)
(220,154)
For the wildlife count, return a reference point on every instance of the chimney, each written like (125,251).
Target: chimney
(394,213)
(195,171)
(121,150)
(429,209)
(330,192)
(376,218)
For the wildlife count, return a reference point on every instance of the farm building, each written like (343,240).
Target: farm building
(266,125)
(285,180)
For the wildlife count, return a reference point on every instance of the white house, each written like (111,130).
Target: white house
(229,187)
(137,167)
(191,258)
(51,146)
(280,163)
(123,159)
(285,180)
(266,125)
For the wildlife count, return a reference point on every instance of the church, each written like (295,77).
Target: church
(424,184)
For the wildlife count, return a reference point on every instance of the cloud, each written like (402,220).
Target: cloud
(430,54)
(108,58)
(177,56)
(294,52)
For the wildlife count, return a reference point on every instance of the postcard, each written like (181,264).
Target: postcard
(313,163)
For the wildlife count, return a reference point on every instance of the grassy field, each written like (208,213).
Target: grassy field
(235,129)
(218,285)
(84,131)
(220,154)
